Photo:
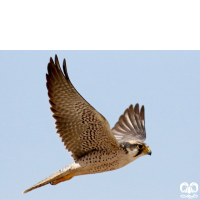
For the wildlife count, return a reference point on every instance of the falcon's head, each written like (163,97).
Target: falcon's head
(130,132)
(136,148)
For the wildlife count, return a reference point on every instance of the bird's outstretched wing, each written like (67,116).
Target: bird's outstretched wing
(80,126)
(131,125)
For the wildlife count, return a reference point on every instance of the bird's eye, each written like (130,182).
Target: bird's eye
(140,147)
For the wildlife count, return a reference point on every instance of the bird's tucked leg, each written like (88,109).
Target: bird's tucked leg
(65,178)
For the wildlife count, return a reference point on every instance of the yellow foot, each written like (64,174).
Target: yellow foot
(65,178)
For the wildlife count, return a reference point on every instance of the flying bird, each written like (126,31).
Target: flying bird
(86,133)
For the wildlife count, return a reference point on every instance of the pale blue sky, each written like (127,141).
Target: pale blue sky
(166,82)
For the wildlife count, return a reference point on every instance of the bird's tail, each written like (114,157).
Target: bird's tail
(62,175)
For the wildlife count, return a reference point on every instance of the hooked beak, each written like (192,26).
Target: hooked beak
(147,151)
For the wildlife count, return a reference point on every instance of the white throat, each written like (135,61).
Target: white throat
(132,154)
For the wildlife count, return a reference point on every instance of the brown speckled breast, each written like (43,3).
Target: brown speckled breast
(100,161)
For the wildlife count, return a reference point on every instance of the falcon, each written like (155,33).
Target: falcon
(86,133)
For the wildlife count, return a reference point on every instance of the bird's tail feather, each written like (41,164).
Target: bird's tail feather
(54,179)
